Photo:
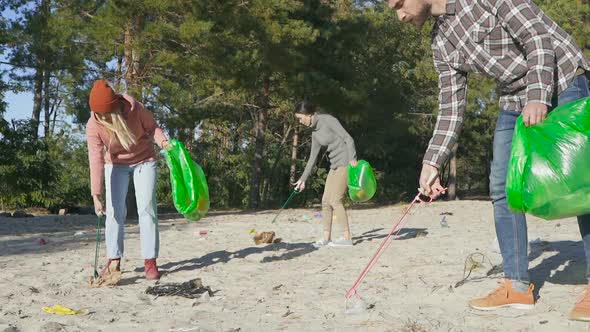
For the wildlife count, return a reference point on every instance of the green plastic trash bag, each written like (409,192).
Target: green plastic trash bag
(190,192)
(361,181)
(549,171)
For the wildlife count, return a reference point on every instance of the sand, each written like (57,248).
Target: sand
(289,286)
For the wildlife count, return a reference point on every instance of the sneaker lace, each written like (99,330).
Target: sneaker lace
(500,291)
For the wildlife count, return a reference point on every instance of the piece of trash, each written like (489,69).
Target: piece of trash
(444,223)
(306,218)
(110,277)
(275,288)
(184,329)
(446,213)
(421,233)
(266,237)
(317,215)
(79,233)
(64,311)
(287,313)
(201,233)
(499,268)
(42,242)
(252,231)
(356,305)
(192,289)
(543,322)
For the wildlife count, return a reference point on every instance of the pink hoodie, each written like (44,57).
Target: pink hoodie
(101,149)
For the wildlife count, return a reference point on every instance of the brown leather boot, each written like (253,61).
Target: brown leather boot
(114,264)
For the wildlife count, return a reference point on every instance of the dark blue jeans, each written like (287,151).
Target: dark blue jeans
(511,228)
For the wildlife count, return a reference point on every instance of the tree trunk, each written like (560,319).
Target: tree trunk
(133,88)
(118,72)
(453,173)
(47,106)
(38,98)
(132,58)
(39,70)
(294,147)
(259,130)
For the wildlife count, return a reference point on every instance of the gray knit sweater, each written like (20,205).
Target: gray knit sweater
(327,131)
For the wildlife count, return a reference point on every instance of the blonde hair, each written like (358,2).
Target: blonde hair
(117,128)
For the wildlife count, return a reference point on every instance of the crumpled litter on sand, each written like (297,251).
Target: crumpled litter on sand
(266,237)
(64,311)
(191,289)
(110,277)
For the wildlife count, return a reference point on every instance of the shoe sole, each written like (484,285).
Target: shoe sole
(581,319)
(520,306)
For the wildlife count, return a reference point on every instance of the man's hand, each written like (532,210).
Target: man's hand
(534,113)
(430,182)
(299,185)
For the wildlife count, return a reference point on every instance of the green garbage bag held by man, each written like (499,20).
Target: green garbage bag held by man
(190,192)
(549,171)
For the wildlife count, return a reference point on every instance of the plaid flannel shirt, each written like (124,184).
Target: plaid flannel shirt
(512,41)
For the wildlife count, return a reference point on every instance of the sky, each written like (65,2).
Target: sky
(20,105)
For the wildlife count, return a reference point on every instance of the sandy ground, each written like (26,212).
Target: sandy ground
(289,286)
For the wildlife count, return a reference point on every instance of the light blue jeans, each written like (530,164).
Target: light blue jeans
(117,183)
(511,228)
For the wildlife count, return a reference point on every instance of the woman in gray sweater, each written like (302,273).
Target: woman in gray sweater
(328,132)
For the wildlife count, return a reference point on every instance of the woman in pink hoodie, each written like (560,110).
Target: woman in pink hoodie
(120,135)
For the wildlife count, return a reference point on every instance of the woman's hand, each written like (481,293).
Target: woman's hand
(98,207)
(353,163)
(165,144)
(299,185)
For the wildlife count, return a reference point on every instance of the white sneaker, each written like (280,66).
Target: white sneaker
(321,243)
(341,243)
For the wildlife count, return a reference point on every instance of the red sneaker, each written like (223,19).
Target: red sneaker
(151,269)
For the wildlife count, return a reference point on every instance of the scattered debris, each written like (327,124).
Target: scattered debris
(79,233)
(318,215)
(42,242)
(276,288)
(266,237)
(413,326)
(499,268)
(64,311)
(421,233)
(543,322)
(446,213)
(444,223)
(34,290)
(192,289)
(472,263)
(289,312)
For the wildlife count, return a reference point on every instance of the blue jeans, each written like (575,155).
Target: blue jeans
(117,183)
(511,228)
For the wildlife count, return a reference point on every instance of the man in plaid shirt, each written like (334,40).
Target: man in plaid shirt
(537,66)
